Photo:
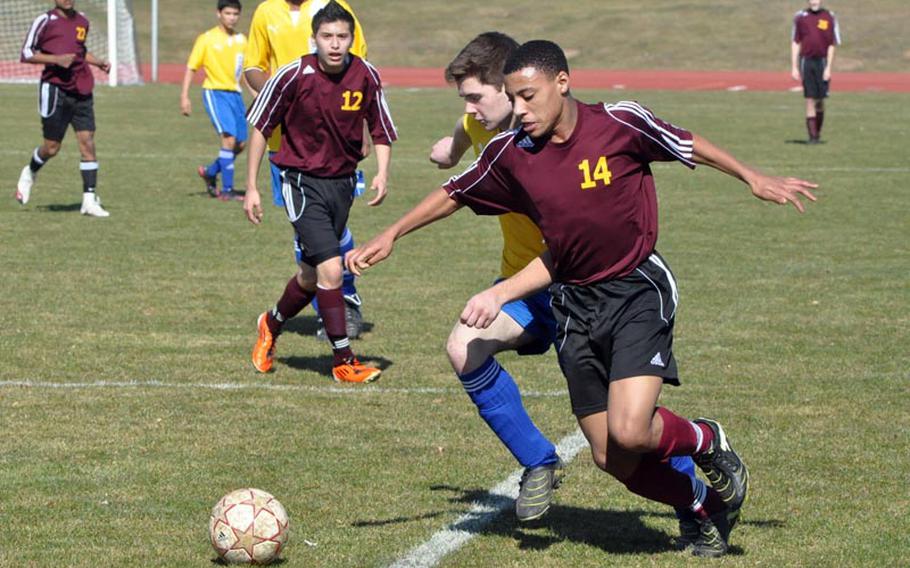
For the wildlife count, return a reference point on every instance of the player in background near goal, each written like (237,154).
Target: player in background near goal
(219,51)
(279,34)
(582,173)
(322,100)
(526,325)
(815,36)
(56,39)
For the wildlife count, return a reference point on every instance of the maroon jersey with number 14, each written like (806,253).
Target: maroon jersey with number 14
(56,34)
(592,196)
(321,115)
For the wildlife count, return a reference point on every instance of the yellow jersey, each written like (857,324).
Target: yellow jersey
(522,241)
(221,56)
(278,37)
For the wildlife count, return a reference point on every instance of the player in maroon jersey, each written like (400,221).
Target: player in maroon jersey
(815,35)
(582,174)
(321,101)
(56,39)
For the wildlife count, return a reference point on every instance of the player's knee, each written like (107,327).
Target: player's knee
(599,455)
(630,436)
(457,351)
(306,280)
(50,149)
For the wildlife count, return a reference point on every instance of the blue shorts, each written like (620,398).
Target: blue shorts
(275,174)
(226,110)
(535,316)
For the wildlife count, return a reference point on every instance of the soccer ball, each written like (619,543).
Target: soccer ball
(248,526)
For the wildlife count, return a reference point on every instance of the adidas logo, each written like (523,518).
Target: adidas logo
(658,360)
(308,70)
(525,142)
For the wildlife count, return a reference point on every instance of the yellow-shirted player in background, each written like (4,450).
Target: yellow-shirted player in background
(219,51)
(281,32)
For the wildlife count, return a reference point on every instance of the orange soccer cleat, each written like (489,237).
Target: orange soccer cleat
(353,371)
(264,350)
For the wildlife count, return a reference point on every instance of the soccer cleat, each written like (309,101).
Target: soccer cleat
(91,206)
(353,318)
(689,529)
(24,187)
(713,536)
(535,490)
(724,468)
(264,350)
(211,183)
(353,371)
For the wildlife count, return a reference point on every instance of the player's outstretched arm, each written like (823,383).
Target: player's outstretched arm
(252,203)
(102,64)
(63,60)
(482,309)
(381,180)
(435,206)
(447,152)
(779,190)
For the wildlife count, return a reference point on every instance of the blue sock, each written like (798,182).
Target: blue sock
(347,244)
(683,464)
(498,401)
(226,163)
(214,168)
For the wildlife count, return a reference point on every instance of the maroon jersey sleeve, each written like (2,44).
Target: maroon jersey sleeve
(379,119)
(269,108)
(485,185)
(797,28)
(32,44)
(653,139)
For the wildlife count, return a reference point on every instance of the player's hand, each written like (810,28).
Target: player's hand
(105,66)
(185,106)
(795,74)
(65,60)
(365,256)
(783,190)
(380,186)
(252,205)
(441,154)
(826,74)
(481,310)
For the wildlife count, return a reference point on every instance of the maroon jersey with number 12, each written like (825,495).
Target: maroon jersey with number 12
(592,196)
(56,34)
(321,115)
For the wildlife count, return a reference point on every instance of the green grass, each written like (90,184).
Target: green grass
(661,34)
(792,331)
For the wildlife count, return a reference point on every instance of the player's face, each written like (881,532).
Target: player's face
(489,105)
(65,5)
(537,100)
(333,42)
(229,18)
(814,5)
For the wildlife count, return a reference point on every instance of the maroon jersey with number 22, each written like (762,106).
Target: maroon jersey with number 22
(592,196)
(321,115)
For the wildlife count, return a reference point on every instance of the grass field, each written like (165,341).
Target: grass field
(667,34)
(128,332)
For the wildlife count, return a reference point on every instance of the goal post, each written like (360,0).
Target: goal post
(112,36)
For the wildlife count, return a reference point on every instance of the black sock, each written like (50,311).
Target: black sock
(89,176)
(36,162)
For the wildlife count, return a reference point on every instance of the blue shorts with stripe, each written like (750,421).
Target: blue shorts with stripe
(534,315)
(226,111)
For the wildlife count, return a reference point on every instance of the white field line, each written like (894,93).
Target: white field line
(351,390)
(481,513)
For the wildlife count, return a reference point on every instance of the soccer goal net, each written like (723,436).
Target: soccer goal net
(112,36)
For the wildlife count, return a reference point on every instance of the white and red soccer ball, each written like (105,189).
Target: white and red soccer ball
(248,526)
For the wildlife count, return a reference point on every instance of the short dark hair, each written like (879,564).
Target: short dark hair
(222,4)
(332,12)
(540,54)
(483,58)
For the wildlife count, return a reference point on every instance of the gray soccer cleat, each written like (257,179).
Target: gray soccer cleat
(724,468)
(535,493)
(713,536)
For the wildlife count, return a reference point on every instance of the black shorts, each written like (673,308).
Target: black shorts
(813,70)
(318,208)
(59,109)
(615,329)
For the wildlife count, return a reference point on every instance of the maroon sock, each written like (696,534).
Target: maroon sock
(331,308)
(812,127)
(656,480)
(819,120)
(681,437)
(294,299)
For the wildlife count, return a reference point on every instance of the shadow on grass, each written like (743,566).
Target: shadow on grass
(221,562)
(322,364)
(804,142)
(308,325)
(58,208)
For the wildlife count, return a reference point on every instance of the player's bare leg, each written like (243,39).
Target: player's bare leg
(40,156)
(88,167)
